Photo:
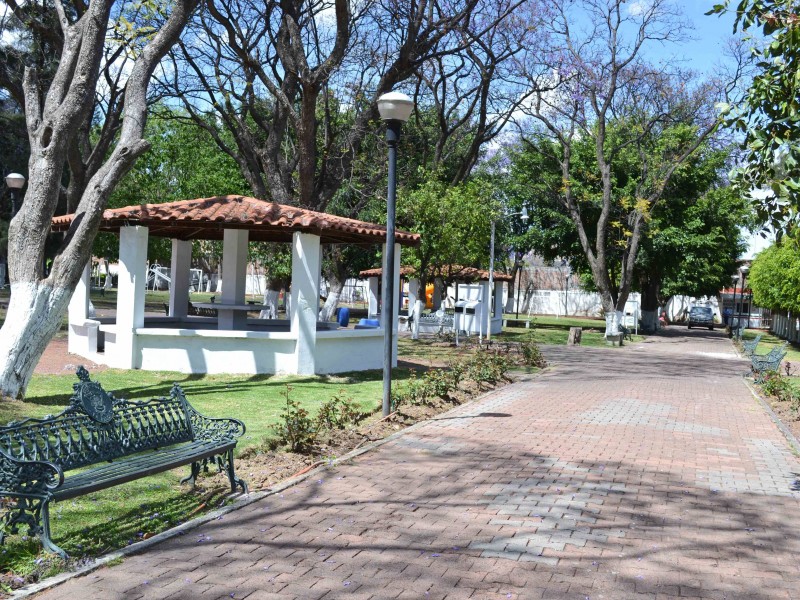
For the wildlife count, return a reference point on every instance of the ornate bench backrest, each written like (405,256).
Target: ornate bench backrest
(97,427)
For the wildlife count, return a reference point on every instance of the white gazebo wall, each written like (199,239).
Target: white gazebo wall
(178,346)
(213,351)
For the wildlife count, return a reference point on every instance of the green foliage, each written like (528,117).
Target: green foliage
(775,277)
(780,387)
(486,366)
(296,429)
(183,163)
(531,353)
(338,412)
(452,221)
(769,115)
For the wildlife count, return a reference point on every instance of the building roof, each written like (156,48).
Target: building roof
(455,273)
(207,218)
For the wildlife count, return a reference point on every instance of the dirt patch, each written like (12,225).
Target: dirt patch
(56,359)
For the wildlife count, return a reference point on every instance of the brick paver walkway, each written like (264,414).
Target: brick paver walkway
(648,471)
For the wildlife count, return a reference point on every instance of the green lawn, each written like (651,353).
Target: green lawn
(554,331)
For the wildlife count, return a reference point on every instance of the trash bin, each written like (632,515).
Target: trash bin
(343,318)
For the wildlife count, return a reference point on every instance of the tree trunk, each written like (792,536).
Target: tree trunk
(53,117)
(35,311)
(332,301)
(271,296)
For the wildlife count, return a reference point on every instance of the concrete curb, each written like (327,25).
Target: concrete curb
(51,582)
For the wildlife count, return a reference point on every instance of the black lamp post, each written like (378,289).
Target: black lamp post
(745,270)
(735,280)
(395,109)
(15,182)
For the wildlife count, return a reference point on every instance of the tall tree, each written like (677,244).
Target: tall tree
(297,89)
(95,130)
(769,114)
(601,75)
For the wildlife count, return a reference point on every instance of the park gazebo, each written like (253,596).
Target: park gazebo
(229,342)
(470,280)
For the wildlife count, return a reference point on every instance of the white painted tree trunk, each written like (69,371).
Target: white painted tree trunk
(613,321)
(650,320)
(271,298)
(418,308)
(34,315)
(332,301)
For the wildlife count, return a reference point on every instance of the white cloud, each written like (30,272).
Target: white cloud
(639,7)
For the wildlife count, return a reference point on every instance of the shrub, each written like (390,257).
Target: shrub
(338,412)
(531,353)
(487,367)
(295,429)
(780,387)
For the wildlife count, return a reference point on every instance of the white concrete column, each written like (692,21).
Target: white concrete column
(498,299)
(373,297)
(79,304)
(486,300)
(78,312)
(413,295)
(179,272)
(234,276)
(130,295)
(305,299)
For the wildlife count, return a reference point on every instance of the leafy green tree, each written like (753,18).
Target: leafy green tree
(453,223)
(606,92)
(775,277)
(769,115)
(690,239)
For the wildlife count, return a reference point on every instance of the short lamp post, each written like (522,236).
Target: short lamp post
(15,182)
(395,109)
(745,270)
(524,216)
(733,319)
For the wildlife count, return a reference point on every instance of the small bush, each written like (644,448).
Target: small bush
(531,353)
(439,382)
(338,412)
(487,367)
(779,387)
(295,429)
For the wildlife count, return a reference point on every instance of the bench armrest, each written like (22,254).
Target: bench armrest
(28,478)
(208,428)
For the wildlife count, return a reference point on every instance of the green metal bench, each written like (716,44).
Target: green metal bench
(102,441)
(767,363)
(750,345)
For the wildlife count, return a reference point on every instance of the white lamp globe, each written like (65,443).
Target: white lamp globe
(395,106)
(15,181)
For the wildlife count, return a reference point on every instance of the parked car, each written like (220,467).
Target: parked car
(701,316)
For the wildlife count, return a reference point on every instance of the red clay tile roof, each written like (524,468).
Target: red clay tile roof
(207,218)
(455,273)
